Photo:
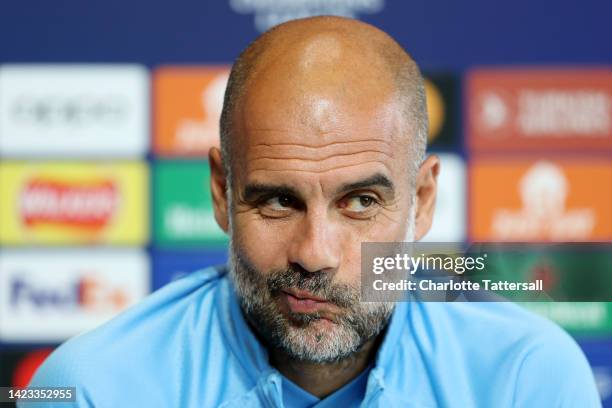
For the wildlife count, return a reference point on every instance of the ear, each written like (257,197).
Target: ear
(218,188)
(426,189)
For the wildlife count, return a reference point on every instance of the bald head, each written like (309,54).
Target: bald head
(331,57)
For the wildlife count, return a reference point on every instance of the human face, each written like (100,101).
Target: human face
(311,183)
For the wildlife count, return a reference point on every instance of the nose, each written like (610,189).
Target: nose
(316,246)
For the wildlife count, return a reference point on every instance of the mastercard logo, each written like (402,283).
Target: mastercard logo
(435,110)
(27,366)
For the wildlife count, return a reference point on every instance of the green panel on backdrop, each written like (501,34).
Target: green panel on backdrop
(578,273)
(182,208)
(569,272)
(582,319)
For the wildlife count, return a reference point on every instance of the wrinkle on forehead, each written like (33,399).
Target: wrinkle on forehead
(319,180)
(321,151)
(362,138)
(315,168)
(318,158)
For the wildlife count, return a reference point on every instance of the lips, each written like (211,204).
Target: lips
(303,295)
(304,302)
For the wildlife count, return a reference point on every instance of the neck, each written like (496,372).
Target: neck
(322,380)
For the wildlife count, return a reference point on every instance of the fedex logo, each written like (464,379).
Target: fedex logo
(49,295)
(86,292)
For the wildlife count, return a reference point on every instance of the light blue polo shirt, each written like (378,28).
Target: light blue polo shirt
(188,345)
(348,396)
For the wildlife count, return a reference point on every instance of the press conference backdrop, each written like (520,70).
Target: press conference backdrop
(107,110)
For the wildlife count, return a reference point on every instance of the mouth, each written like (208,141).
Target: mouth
(304,302)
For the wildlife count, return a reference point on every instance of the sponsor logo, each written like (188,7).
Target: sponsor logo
(270,13)
(188,104)
(183,205)
(546,112)
(26,367)
(73,203)
(186,221)
(73,110)
(79,111)
(86,291)
(541,201)
(435,109)
(493,113)
(51,295)
(539,108)
(441,94)
(449,216)
(567,271)
(543,191)
(88,205)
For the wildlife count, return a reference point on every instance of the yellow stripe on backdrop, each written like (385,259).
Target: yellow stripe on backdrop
(75,203)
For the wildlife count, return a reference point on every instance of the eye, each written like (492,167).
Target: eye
(279,203)
(360,203)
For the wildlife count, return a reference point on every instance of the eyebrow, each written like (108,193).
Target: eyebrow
(253,191)
(376,180)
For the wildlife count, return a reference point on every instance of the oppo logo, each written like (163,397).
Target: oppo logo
(69,110)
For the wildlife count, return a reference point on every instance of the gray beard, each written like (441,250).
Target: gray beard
(298,335)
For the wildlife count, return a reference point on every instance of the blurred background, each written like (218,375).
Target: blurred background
(107,110)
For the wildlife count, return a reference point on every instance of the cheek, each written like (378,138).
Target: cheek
(379,231)
(350,270)
(387,226)
(263,242)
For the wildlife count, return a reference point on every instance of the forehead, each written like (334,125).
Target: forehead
(330,148)
(321,123)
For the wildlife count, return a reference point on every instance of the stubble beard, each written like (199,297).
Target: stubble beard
(300,335)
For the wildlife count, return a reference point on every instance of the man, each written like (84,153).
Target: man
(322,148)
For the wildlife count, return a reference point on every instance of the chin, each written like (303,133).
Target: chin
(320,341)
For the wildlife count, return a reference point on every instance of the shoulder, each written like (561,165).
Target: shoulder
(493,327)
(541,364)
(145,338)
(553,370)
(500,322)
